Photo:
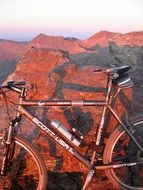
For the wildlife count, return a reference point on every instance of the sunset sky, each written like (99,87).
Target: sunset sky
(24,19)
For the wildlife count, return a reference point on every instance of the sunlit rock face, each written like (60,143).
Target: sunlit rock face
(51,75)
(54,42)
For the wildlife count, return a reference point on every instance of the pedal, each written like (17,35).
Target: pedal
(88,179)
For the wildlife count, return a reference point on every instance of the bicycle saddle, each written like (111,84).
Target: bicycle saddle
(116,70)
(119,70)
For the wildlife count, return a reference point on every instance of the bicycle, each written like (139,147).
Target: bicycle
(22,166)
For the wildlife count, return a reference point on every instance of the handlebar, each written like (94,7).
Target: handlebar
(16,86)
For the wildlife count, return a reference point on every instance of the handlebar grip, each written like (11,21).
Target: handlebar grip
(21,83)
(1,86)
(13,83)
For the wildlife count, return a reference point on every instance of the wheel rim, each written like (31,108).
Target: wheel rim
(127,177)
(23,171)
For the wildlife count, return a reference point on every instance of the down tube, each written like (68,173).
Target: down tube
(55,137)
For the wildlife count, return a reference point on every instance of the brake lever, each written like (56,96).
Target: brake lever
(98,70)
(10,83)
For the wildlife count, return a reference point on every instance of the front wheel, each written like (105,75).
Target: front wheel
(26,170)
(119,150)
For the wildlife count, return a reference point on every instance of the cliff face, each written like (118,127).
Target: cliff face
(35,67)
(53,75)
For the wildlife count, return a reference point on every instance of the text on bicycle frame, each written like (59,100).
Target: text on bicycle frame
(51,133)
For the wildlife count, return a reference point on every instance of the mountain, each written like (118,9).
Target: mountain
(131,39)
(72,45)
(101,39)
(75,46)
(10,54)
(54,42)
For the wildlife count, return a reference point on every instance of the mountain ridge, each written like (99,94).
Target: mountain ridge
(12,51)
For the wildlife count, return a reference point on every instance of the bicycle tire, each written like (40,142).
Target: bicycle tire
(118,144)
(27,170)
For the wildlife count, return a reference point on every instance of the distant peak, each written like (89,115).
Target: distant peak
(103,33)
(39,36)
(53,42)
(101,38)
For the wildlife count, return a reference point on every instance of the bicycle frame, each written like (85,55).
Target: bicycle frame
(64,143)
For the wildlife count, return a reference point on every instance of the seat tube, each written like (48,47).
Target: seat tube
(102,122)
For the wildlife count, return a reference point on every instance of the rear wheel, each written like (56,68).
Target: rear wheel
(120,149)
(26,171)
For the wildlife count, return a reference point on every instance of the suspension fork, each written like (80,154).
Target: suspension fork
(6,142)
(9,145)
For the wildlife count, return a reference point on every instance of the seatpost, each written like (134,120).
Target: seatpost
(98,136)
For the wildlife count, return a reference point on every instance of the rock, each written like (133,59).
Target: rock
(53,76)
(132,56)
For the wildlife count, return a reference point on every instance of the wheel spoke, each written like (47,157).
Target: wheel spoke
(120,150)
(26,170)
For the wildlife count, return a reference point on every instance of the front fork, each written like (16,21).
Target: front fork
(8,146)
(7,136)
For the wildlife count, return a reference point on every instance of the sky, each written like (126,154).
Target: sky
(22,20)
